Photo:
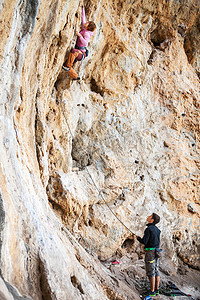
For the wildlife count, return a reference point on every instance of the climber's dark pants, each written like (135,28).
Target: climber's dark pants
(74,56)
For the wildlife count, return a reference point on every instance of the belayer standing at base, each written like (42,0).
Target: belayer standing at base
(80,50)
(151,241)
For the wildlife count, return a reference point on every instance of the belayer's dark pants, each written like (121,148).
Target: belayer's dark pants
(151,264)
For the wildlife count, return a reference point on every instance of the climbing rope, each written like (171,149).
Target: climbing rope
(86,168)
(88,172)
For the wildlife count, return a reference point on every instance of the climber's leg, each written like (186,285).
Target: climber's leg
(74,55)
(71,58)
(73,74)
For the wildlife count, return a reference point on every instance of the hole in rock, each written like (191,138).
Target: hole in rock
(160,34)
(142,177)
(156,38)
(95,88)
(128,244)
(194,243)
(165,144)
(76,284)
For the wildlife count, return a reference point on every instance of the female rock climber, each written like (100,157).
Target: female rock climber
(80,51)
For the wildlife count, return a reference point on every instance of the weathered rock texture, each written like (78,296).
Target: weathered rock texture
(128,133)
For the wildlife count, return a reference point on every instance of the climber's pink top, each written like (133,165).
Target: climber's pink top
(85,34)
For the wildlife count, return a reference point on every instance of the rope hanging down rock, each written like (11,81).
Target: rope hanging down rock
(94,183)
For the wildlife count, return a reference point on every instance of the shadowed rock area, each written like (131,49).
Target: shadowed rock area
(125,138)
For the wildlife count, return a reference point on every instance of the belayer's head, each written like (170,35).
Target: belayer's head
(90,26)
(154,218)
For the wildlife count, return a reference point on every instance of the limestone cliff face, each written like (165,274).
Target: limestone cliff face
(127,133)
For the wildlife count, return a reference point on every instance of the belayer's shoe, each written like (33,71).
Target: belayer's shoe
(157,292)
(150,293)
(147,298)
(66,68)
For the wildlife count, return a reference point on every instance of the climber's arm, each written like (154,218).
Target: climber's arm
(84,39)
(83,18)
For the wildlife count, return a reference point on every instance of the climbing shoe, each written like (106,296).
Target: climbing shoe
(157,292)
(150,293)
(66,68)
(78,78)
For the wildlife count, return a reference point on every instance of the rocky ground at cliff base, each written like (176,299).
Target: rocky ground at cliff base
(131,271)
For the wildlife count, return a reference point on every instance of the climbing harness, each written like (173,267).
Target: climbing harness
(83,48)
(80,48)
(88,172)
(82,53)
